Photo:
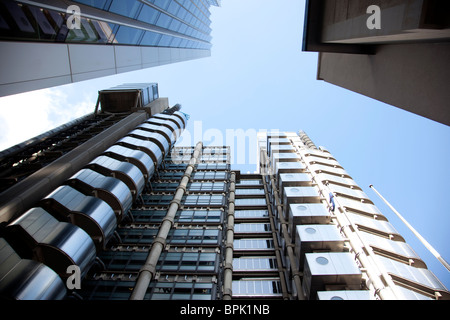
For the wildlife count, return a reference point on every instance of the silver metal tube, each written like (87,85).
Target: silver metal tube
(228,273)
(417,234)
(148,270)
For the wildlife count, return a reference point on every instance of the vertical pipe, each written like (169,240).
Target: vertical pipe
(422,239)
(148,270)
(228,269)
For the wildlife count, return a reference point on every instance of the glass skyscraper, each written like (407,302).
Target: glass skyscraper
(50,43)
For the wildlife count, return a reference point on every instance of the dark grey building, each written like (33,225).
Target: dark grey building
(395,51)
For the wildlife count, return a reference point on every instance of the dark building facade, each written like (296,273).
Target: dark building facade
(394,51)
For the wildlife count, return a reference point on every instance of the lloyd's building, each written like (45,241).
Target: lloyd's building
(106,207)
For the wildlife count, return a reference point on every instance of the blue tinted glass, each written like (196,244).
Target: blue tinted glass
(163,4)
(176,42)
(127,8)
(93,3)
(148,15)
(173,8)
(164,21)
(127,35)
(150,39)
(165,41)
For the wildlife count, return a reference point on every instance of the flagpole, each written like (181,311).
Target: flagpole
(425,243)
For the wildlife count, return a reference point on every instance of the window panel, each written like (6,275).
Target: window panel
(148,14)
(127,8)
(128,35)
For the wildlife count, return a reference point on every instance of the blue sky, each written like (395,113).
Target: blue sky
(258,78)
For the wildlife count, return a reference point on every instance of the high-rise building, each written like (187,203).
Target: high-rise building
(108,208)
(50,43)
(394,51)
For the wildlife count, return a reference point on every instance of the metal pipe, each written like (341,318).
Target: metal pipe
(417,234)
(24,194)
(277,248)
(148,270)
(228,269)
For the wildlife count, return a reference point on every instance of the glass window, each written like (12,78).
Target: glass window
(251,202)
(127,8)
(128,35)
(252,227)
(150,38)
(249,191)
(249,182)
(163,4)
(253,244)
(93,3)
(206,200)
(207,186)
(164,21)
(255,264)
(251,214)
(165,41)
(257,287)
(148,14)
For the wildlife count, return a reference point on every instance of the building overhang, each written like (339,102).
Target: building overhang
(312,33)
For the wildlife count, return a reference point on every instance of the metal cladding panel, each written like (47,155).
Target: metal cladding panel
(358,206)
(56,244)
(166,132)
(345,295)
(284,157)
(293,179)
(380,226)
(330,268)
(319,160)
(324,177)
(349,192)
(275,141)
(309,238)
(277,148)
(23,279)
(316,236)
(155,137)
(124,171)
(172,118)
(407,274)
(413,295)
(307,213)
(183,117)
(111,190)
(300,195)
(91,214)
(148,147)
(322,168)
(167,123)
(137,157)
(318,153)
(397,248)
(289,167)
